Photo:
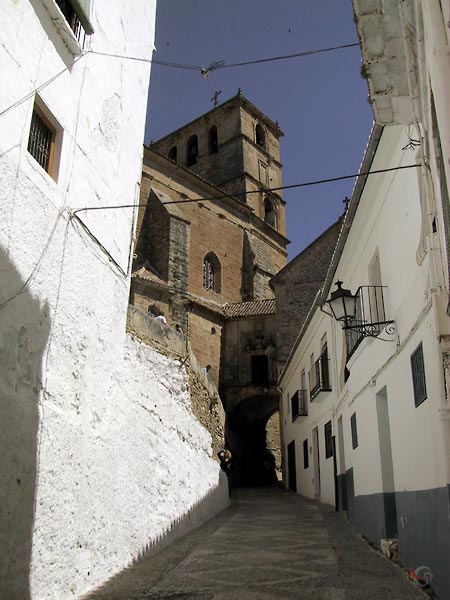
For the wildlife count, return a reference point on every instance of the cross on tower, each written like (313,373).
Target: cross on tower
(214,98)
(346,201)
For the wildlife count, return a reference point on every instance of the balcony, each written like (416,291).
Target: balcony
(319,377)
(370,317)
(72,19)
(299,404)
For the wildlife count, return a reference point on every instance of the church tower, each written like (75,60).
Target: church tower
(236,148)
(210,237)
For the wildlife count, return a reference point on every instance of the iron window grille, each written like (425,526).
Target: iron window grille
(370,317)
(299,404)
(418,375)
(328,440)
(305,454)
(41,141)
(319,377)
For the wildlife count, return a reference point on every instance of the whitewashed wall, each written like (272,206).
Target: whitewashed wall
(99,451)
(388,219)
(320,411)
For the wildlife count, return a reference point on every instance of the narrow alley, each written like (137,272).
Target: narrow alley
(269,545)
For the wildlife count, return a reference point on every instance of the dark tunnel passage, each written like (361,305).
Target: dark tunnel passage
(252,462)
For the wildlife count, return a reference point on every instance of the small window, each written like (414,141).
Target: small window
(328,440)
(418,375)
(260,369)
(354,431)
(305,454)
(212,140)
(260,135)
(192,151)
(43,139)
(211,273)
(173,153)
(270,216)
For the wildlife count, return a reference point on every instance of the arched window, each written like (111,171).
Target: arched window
(270,216)
(212,140)
(260,135)
(192,150)
(173,153)
(211,273)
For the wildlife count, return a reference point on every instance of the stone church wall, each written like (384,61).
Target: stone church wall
(296,287)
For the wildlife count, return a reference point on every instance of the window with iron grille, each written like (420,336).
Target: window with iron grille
(319,376)
(328,440)
(418,375)
(305,454)
(354,431)
(41,141)
(299,404)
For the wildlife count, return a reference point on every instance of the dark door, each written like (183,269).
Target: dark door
(292,469)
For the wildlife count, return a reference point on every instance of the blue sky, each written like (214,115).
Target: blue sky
(319,101)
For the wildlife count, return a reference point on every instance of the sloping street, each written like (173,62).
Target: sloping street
(269,545)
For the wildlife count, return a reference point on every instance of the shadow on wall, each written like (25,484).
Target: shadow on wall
(24,331)
(213,502)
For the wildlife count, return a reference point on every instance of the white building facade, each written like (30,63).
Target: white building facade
(100,452)
(363,408)
(373,436)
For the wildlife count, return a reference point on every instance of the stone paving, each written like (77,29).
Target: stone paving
(270,545)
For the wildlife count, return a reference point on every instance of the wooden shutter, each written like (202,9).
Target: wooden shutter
(83,10)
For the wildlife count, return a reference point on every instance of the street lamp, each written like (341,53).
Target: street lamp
(343,305)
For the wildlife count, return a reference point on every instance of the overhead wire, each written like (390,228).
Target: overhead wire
(221,64)
(204,71)
(37,89)
(275,189)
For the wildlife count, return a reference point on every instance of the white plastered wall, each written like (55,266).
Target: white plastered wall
(100,451)
(388,220)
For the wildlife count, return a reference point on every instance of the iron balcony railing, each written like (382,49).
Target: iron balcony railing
(370,318)
(299,404)
(65,6)
(319,377)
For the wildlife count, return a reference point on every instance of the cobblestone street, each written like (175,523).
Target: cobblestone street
(269,545)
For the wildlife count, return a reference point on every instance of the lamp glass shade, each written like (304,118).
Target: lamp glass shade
(342,303)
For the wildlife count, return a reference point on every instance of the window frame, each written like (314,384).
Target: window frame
(212,272)
(354,431)
(328,436)
(305,454)
(56,131)
(418,369)
(50,150)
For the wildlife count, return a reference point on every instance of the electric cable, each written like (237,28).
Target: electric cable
(204,71)
(284,187)
(221,64)
(41,87)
